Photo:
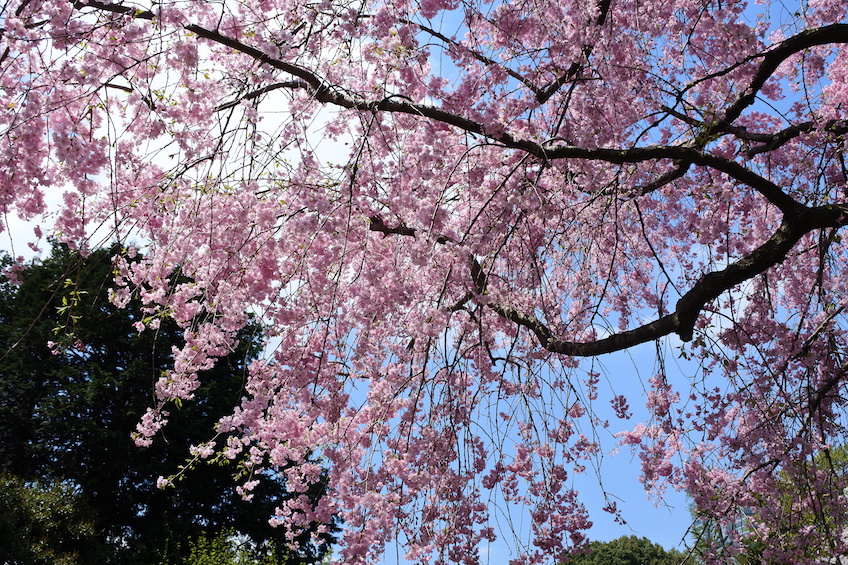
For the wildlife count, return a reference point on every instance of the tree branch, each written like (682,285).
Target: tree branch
(835,33)
(773,251)
(798,220)
(545,94)
(826,387)
(770,141)
(479,56)
(709,287)
(680,169)
(324,93)
(290,84)
(775,140)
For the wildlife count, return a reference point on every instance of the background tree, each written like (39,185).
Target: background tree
(68,412)
(511,190)
(45,524)
(225,548)
(629,550)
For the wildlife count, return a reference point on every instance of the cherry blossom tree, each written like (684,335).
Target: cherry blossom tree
(511,190)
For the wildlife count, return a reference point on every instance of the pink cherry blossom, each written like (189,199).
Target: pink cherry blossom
(445,215)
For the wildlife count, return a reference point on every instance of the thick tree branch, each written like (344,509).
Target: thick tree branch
(680,169)
(709,287)
(771,60)
(772,141)
(377,224)
(682,154)
(836,33)
(769,141)
(774,251)
(325,93)
(682,321)
(115,9)
(616,342)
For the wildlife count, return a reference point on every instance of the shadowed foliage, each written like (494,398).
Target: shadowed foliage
(67,415)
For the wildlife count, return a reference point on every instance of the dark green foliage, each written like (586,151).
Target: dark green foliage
(629,550)
(226,548)
(69,416)
(45,524)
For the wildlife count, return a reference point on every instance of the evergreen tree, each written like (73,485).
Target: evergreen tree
(67,413)
(45,524)
(629,550)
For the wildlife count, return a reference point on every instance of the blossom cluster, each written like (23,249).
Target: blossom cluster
(437,210)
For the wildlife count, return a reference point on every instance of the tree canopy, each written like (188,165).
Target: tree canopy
(629,550)
(446,213)
(68,413)
(46,524)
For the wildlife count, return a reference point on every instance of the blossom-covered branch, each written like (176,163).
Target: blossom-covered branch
(438,210)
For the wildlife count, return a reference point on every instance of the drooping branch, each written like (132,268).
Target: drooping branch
(710,286)
(684,155)
(682,321)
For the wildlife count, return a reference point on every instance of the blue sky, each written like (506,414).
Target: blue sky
(665,524)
